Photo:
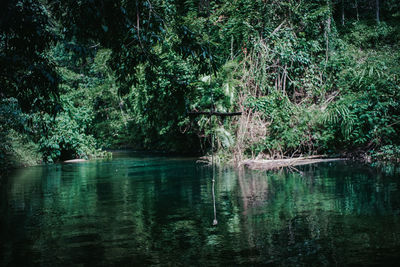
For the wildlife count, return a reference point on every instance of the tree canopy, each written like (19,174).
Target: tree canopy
(309,77)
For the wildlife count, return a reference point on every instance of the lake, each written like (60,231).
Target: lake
(152,210)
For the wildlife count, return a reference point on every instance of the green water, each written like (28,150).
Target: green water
(136,210)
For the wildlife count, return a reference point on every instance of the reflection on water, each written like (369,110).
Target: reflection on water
(159,211)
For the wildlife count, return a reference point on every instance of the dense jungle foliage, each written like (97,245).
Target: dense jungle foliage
(309,77)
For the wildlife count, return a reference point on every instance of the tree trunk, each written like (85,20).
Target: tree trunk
(342,12)
(327,30)
(377,11)
(358,14)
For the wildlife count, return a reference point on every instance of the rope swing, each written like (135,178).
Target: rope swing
(212,113)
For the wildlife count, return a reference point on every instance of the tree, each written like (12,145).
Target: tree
(27,73)
(342,12)
(377,11)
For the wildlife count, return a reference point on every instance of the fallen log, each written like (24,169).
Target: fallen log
(279,163)
(74,160)
(210,113)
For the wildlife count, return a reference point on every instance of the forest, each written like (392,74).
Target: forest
(79,78)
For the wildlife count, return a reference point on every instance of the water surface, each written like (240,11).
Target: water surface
(136,210)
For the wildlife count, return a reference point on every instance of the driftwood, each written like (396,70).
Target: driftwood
(279,163)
